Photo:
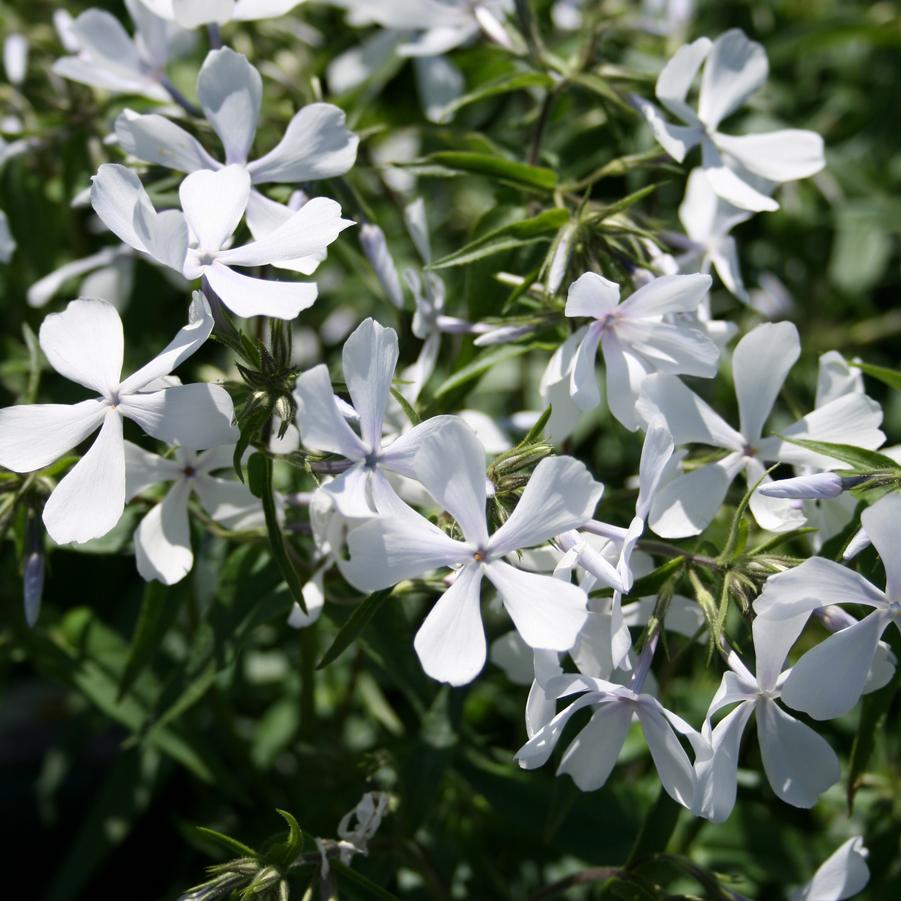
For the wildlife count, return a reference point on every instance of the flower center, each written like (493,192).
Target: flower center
(189,471)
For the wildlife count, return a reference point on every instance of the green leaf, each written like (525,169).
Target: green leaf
(281,854)
(519,82)
(536,433)
(360,881)
(480,365)
(159,607)
(355,624)
(651,583)
(858,457)
(597,85)
(624,204)
(406,406)
(260,466)
(232,845)
(890,377)
(518,174)
(874,709)
(508,237)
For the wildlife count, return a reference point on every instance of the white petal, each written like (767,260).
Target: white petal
(842,875)
(760,364)
(836,378)
(230,90)
(717,773)
(676,773)
(369,358)
(583,378)
(676,77)
(402,545)
(163,539)
(626,373)
(228,501)
(32,436)
(815,583)
(656,452)
(116,193)
(776,156)
(164,235)
(191,13)
(213,203)
(316,145)
(687,504)
(89,501)
(799,764)
(155,139)
(144,469)
(314,598)
(560,495)
(538,749)
(673,349)
(350,492)
(540,709)
(676,140)
(400,455)
(592,754)
(250,10)
(84,343)
(305,233)
(689,419)
(730,186)
(450,463)
(773,640)
(188,340)
(195,416)
(592,295)
(667,294)
(450,642)
(547,613)
(515,658)
(735,69)
(882,521)
(725,261)
(322,427)
(829,679)
(363,62)
(246,296)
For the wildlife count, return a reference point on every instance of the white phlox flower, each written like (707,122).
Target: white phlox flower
(686,504)
(402,544)
(369,358)
(107,57)
(842,875)
(799,764)
(742,170)
(708,220)
(634,339)
(357,826)
(315,145)
(829,679)
(592,754)
(194,241)
(191,13)
(85,343)
(163,537)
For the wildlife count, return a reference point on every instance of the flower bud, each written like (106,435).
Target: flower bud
(372,240)
(821,484)
(503,335)
(33,587)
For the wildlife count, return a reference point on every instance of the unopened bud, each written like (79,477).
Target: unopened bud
(372,240)
(819,485)
(560,259)
(834,618)
(504,335)
(33,587)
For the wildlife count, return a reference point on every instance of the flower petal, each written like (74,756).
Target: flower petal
(450,642)
(673,349)
(144,469)
(187,341)
(230,91)
(717,773)
(450,464)
(777,156)
(155,139)
(842,875)
(163,538)
(560,495)
(315,145)
(676,77)
(689,419)
(116,194)
(213,203)
(667,294)
(547,613)
(799,764)
(89,501)
(592,754)
(322,427)
(626,373)
(592,295)
(351,492)
(439,83)
(881,521)
(32,436)
(677,776)
(735,69)
(369,358)
(829,679)
(538,749)
(815,583)
(730,186)
(583,377)
(195,416)
(228,501)
(676,140)
(246,296)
